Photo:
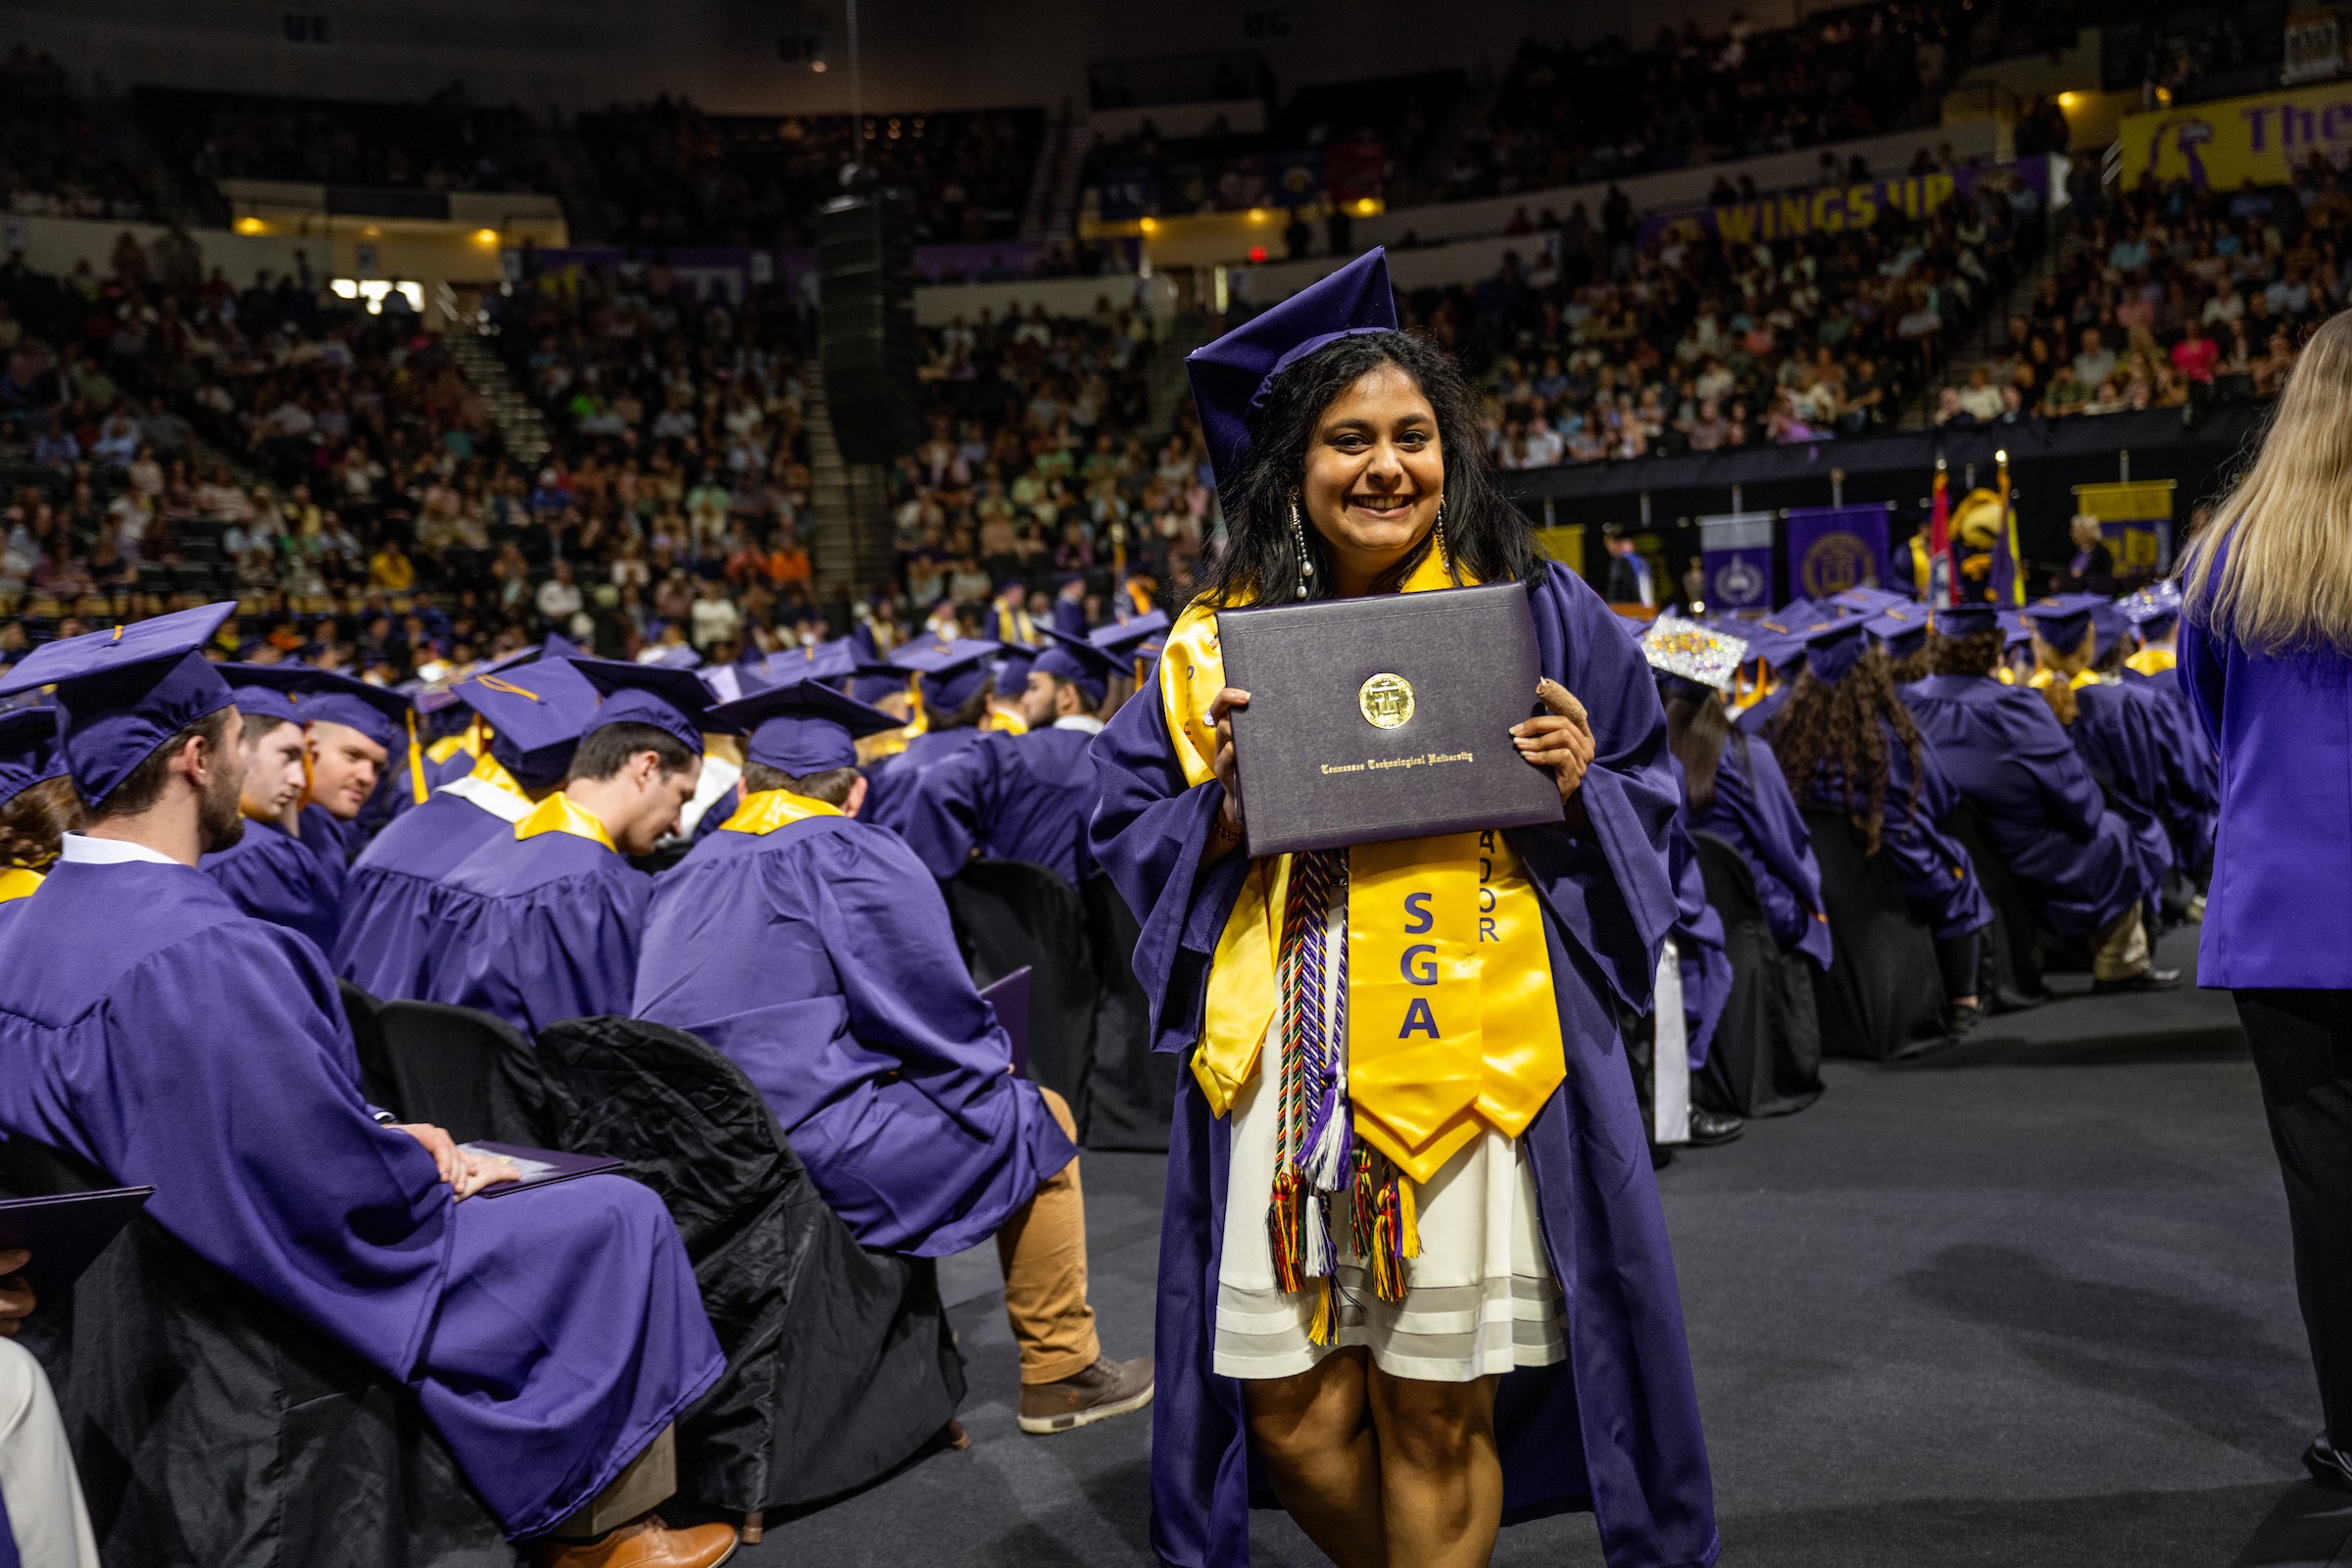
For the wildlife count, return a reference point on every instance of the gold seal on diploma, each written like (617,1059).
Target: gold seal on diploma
(1387,700)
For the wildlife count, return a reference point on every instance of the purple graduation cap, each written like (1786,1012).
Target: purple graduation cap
(122,693)
(2063,620)
(1966,620)
(1078,661)
(536,712)
(674,701)
(2153,608)
(952,670)
(1229,376)
(1832,646)
(1134,642)
(1901,629)
(28,751)
(308,695)
(827,661)
(803,727)
(1014,667)
(262,691)
(1865,601)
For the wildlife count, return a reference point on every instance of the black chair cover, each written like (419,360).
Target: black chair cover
(1883,995)
(1131,1095)
(841,1363)
(1009,913)
(1766,1057)
(367,1033)
(2011,967)
(212,1429)
(464,1071)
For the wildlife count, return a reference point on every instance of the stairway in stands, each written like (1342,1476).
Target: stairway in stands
(848,528)
(1989,340)
(1186,331)
(1050,210)
(520,424)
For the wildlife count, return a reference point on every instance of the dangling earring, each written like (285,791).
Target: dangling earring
(1306,562)
(1443,560)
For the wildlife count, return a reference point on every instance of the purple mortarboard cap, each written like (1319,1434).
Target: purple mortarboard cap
(1125,639)
(1229,376)
(1776,648)
(28,751)
(259,691)
(1865,601)
(876,682)
(2152,608)
(2108,622)
(674,701)
(1012,668)
(951,669)
(1966,620)
(308,695)
(1901,629)
(803,726)
(1798,614)
(1832,646)
(677,656)
(2015,628)
(557,646)
(2062,620)
(537,710)
(1078,661)
(123,693)
(826,661)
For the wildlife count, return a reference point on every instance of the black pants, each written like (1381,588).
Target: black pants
(2302,1044)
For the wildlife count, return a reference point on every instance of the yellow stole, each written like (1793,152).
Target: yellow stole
(16,882)
(473,740)
(1452,1024)
(1005,720)
(2080,679)
(767,811)
(560,814)
(2152,661)
(490,770)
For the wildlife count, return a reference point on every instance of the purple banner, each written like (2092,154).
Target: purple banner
(1736,552)
(1832,549)
(1832,209)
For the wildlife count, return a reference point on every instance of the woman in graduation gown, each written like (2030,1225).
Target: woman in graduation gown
(37,804)
(1851,746)
(1506,1187)
(2080,864)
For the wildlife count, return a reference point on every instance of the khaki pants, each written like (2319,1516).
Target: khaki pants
(1042,1248)
(2123,950)
(643,1484)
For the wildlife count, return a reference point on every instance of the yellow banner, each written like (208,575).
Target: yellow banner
(2220,145)
(2138,501)
(1565,545)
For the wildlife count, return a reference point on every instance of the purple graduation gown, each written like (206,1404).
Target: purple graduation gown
(395,902)
(1753,718)
(1615,1427)
(890,792)
(1753,811)
(2188,787)
(1010,797)
(539,929)
(820,959)
(296,883)
(1705,963)
(1939,884)
(8,1540)
(2003,749)
(548,1336)
(2122,739)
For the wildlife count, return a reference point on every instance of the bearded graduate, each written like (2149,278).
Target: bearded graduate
(954,685)
(315,745)
(1415,1292)
(543,921)
(528,721)
(151,1028)
(1022,797)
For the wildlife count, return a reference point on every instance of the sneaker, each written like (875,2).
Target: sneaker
(1106,1389)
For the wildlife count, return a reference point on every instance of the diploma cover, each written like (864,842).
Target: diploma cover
(1385,717)
(66,1233)
(540,1166)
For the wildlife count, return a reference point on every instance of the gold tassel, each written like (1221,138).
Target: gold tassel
(1324,1327)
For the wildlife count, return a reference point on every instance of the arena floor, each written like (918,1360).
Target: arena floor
(2028,1303)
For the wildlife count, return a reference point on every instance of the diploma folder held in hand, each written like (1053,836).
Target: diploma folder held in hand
(540,1166)
(66,1233)
(1385,717)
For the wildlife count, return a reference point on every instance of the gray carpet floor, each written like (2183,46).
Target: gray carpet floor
(2027,1302)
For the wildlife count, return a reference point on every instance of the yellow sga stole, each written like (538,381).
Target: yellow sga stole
(769,810)
(16,882)
(2152,661)
(490,770)
(560,814)
(1451,1023)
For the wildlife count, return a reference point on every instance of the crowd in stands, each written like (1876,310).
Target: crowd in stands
(2177,295)
(445,143)
(1703,340)
(672,175)
(59,155)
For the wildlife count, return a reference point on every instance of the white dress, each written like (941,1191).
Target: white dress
(1479,1299)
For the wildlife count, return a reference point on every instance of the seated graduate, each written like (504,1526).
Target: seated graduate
(2191,790)
(954,686)
(1023,797)
(2079,863)
(543,920)
(1136,643)
(1777,643)
(43,1521)
(814,951)
(1401,1279)
(1009,684)
(270,871)
(267,1162)
(1849,745)
(1733,786)
(832,663)
(37,804)
(1901,633)
(528,721)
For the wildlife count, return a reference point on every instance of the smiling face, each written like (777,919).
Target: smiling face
(1375,472)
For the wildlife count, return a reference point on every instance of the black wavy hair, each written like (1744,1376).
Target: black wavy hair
(1259,564)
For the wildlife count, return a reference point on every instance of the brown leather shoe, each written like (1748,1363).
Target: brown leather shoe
(644,1542)
(1106,1389)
